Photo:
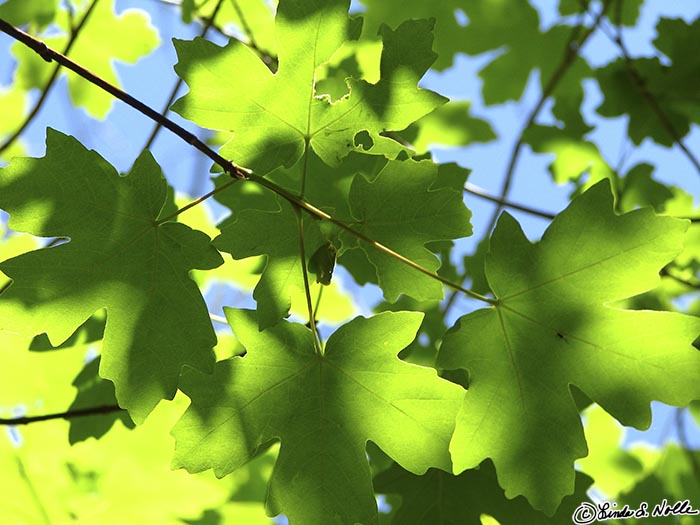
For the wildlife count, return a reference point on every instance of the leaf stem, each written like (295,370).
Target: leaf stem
(68,414)
(205,29)
(52,79)
(269,60)
(302,255)
(196,201)
(318,346)
(218,319)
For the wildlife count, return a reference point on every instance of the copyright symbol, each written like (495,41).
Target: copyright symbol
(585,513)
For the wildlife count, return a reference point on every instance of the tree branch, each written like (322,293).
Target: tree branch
(68,414)
(237,172)
(49,84)
(572,50)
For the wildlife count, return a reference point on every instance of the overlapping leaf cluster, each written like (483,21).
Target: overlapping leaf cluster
(478,421)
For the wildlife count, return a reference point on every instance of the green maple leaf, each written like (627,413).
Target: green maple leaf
(276,117)
(323,409)
(439,498)
(554,325)
(105,38)
(118,258)
(404,208)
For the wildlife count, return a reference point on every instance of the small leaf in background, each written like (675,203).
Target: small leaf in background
(573,157)
(440,497)
(322,263)
(448,125)
(34,12)
(615,470)
(449,31)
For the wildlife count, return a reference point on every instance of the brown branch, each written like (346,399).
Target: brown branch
(228,166)
(572,50)
(196,201)
(205,29)
(480,192)
(49,55)
(49,84)
(68,414)
(313,210)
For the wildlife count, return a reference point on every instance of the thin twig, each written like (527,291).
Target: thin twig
(205,29)
(318,346)
(68,414)
(244,25)
(228,166)
(480,192)
(647,95)
(269,60)
(687,449)
(49,84)
(32,490)
(572,50)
